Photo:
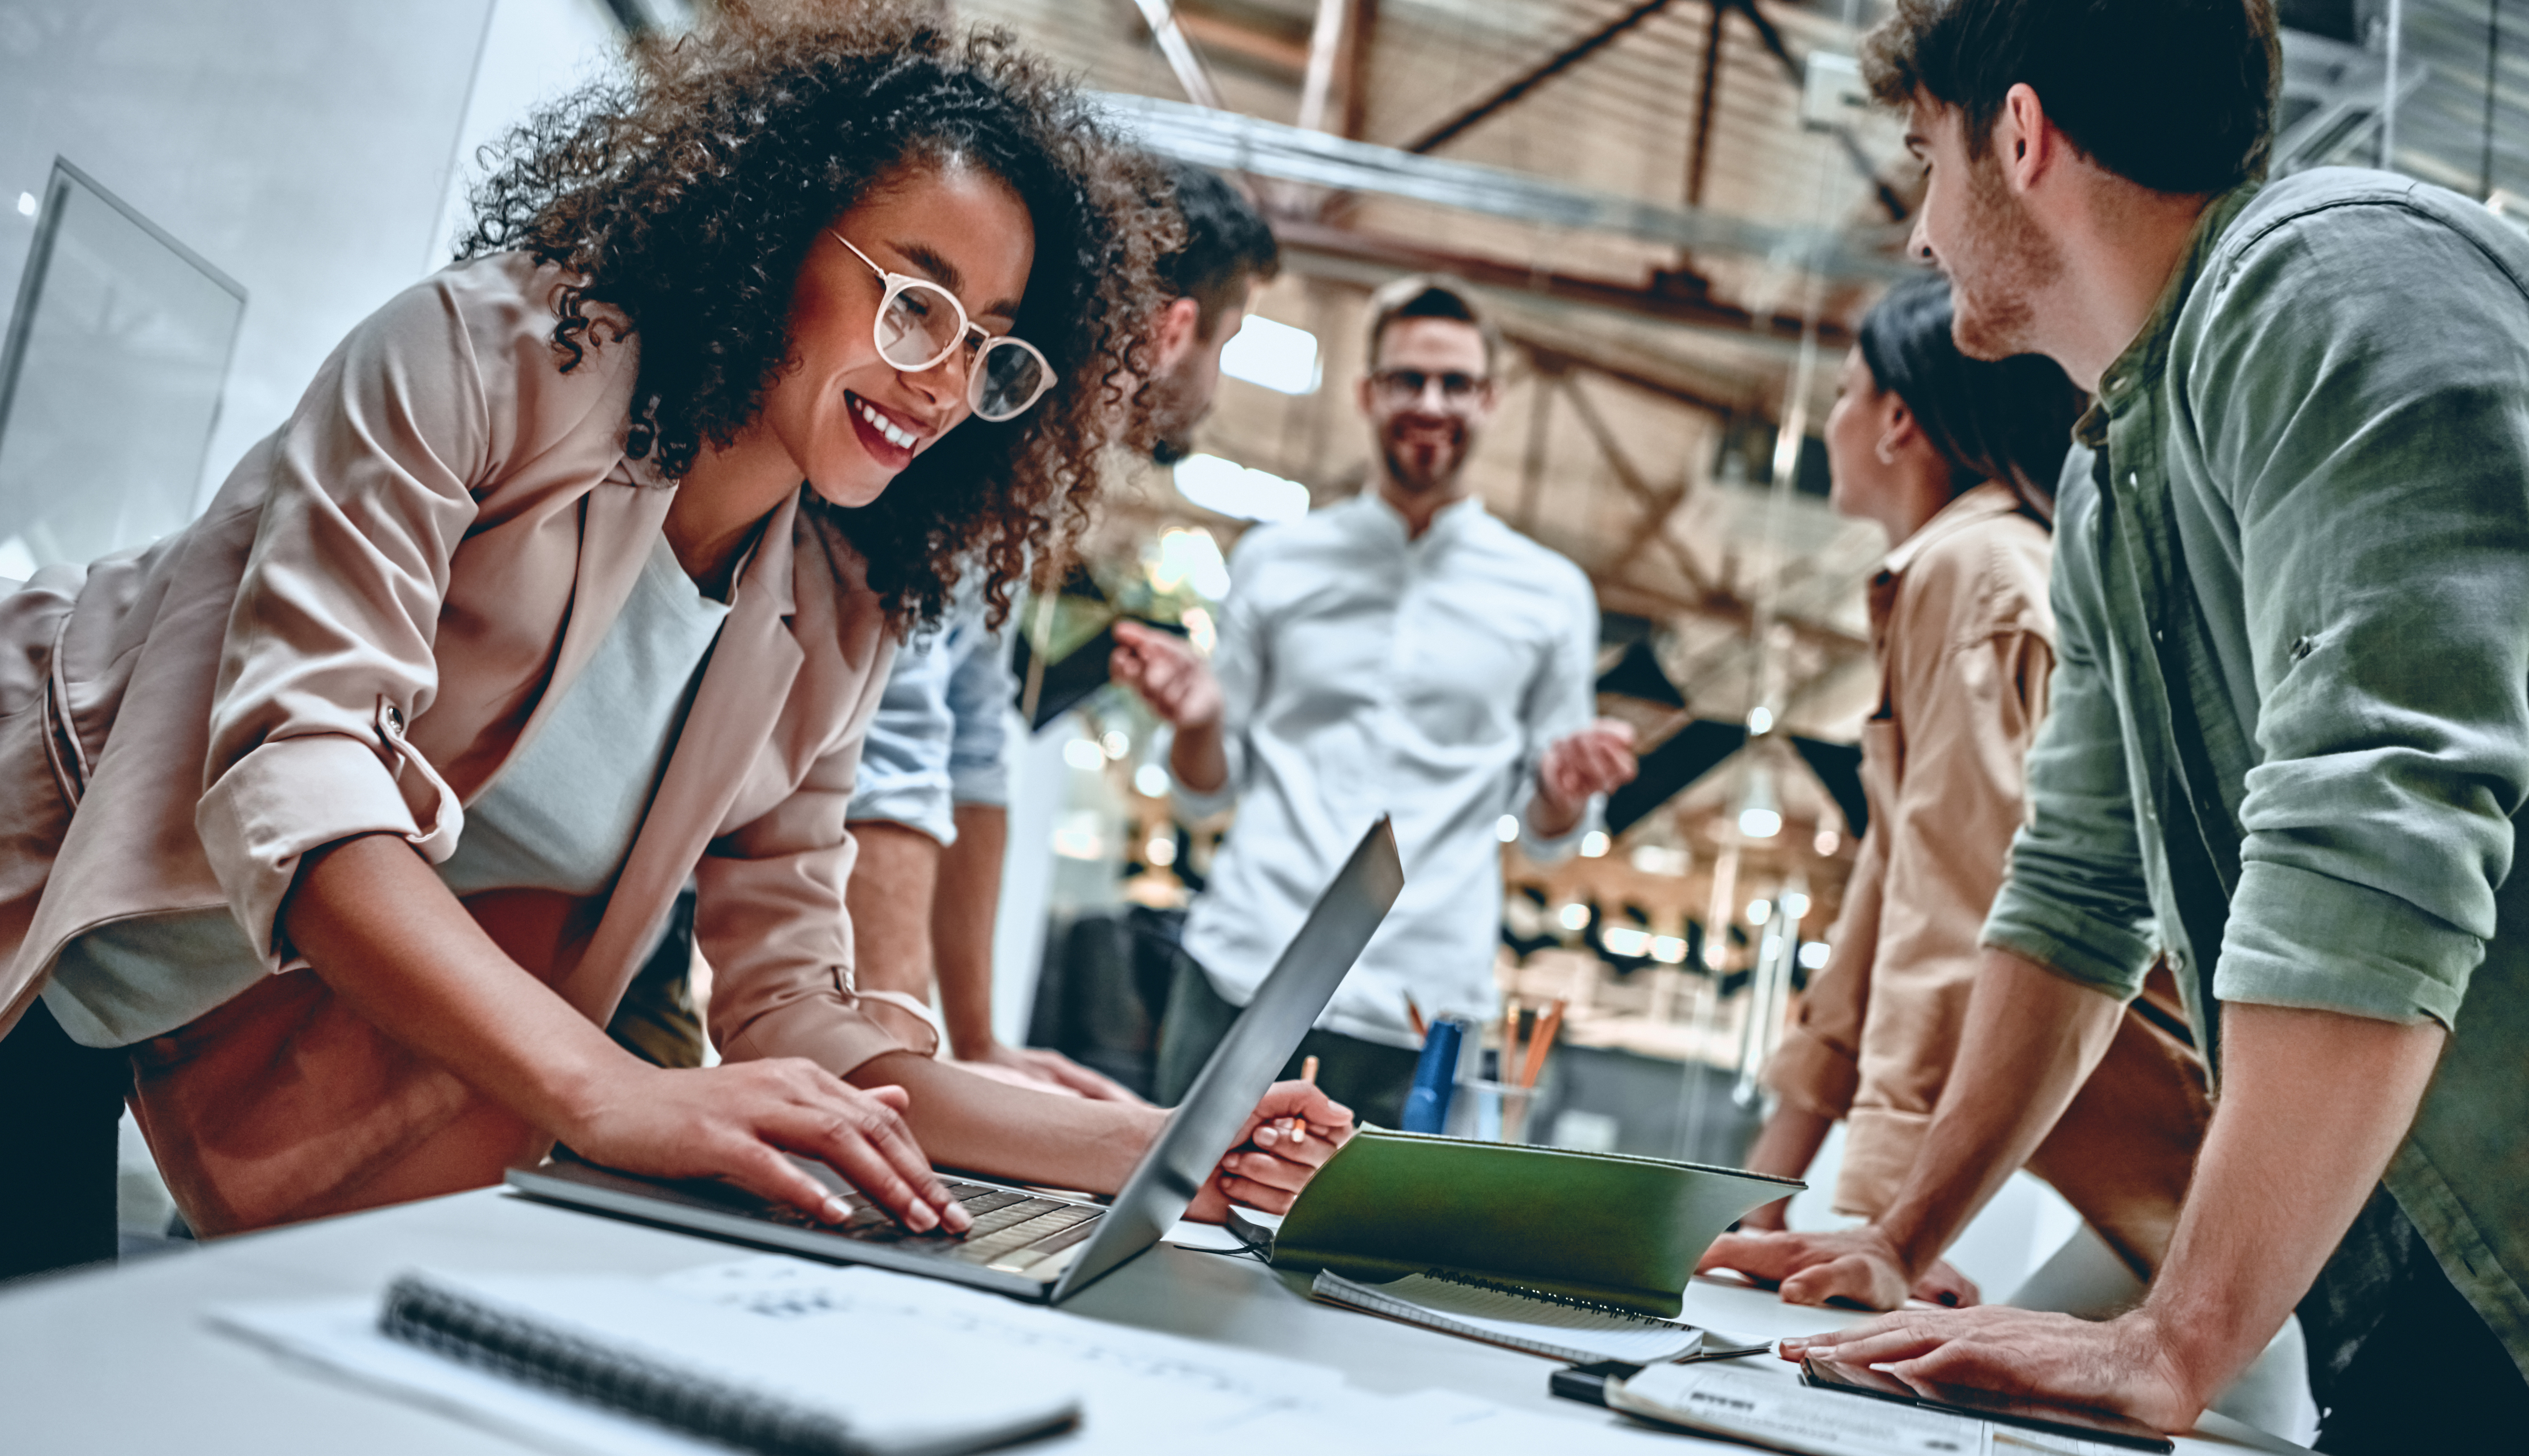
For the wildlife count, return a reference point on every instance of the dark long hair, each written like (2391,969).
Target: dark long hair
(2010,421)
(686,199)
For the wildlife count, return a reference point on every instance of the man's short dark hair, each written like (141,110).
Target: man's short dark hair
(1228,245)
(1428,295)
(2176,95)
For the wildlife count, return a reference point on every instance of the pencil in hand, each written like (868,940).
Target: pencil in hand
(1297,1128)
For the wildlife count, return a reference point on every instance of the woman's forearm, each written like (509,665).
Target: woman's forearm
(384,933)
(991,1127)
(2031,1039)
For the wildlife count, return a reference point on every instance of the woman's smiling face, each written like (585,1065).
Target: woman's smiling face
(849,419)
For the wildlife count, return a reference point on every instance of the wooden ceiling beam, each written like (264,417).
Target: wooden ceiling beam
(1687,306)
(1544,71)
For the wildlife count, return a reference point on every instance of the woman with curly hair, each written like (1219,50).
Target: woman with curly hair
(332,827)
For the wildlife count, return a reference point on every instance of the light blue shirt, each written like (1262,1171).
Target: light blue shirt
(936,740)
(1365,673)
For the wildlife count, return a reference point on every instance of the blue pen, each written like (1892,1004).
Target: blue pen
(1436,1076)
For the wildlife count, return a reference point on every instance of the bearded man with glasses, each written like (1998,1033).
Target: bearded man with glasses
(1402,652)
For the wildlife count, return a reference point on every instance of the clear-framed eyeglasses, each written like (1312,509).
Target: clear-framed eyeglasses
(920,324)
(1403,386)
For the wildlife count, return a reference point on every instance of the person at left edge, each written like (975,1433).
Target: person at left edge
(929,813)
(536,536)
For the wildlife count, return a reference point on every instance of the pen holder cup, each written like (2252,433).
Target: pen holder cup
(1491,1111)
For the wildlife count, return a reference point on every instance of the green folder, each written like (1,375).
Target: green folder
(1601,1227)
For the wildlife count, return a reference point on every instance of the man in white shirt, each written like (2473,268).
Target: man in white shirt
(1400,652)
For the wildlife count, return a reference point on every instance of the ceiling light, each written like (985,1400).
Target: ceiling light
(1506,828)
(1152,781)
(1190,558)
(1814,955)
(1594,844)
(1575,916)
(1760,816)
(1084,755)
(1668,950)
(1659,859)
(1627,942)
(1276,356)
(1233,489)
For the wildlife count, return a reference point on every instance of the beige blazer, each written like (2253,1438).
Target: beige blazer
(1965,639)
(379,608)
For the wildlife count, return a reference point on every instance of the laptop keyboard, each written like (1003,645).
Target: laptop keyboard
(1006,1222)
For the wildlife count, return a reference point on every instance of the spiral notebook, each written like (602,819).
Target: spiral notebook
(733,1377)
(1574,1330)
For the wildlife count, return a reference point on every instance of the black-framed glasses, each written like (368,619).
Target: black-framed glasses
(920,324)
(1405,386)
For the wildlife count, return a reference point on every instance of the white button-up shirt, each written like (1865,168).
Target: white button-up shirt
(1363,674)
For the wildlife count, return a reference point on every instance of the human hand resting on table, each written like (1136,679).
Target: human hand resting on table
(2127,1363)
(1040,1069)
(736,1120)
(1289,1136)
(1857,1265)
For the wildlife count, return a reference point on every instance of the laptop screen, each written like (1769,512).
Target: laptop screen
(1258,1046)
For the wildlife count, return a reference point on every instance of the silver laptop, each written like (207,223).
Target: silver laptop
(1027,1243)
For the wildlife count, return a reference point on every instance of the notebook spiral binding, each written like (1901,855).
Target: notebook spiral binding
(422,1313)
(1544,1296)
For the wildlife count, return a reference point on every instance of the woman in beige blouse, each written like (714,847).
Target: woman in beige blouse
(332,827)
(1957,459)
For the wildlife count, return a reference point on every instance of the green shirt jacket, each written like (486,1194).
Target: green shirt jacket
(2289,737)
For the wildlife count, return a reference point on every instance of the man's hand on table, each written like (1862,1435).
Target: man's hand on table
(1854,1266)
(1042,1070)
(2127,1364)
(1289,1136)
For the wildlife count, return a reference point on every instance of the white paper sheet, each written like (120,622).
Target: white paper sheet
(1763,1409)
(1141,1392)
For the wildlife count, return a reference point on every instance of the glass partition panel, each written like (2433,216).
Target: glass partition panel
(110,380)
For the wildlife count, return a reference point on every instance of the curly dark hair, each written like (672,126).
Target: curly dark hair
(687,197)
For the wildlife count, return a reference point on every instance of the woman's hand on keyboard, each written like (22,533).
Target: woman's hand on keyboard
(736,1120)
(1290,1135)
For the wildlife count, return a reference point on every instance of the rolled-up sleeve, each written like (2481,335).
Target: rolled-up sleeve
(1560,702)
(329,643)
(2076,901)
(1817,1068)
(903,777)
(979,692)
(2378,444)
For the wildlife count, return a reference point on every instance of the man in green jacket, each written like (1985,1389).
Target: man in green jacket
(2289,734)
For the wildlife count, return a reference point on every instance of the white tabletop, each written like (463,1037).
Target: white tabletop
(122,1359)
